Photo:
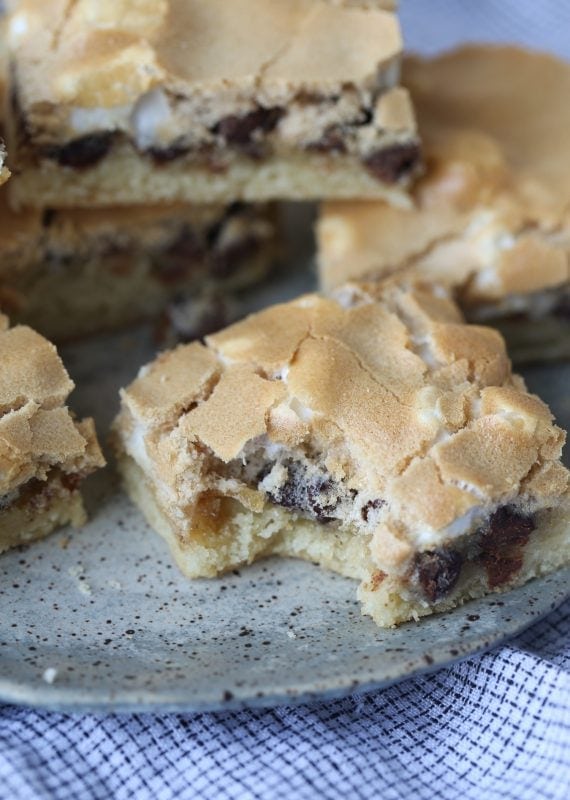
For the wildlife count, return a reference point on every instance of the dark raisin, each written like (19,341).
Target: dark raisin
(227,260)
(393,163)
(180,258)
(371,505)
(240,132)
(501,544)
(438,572)
(86,151)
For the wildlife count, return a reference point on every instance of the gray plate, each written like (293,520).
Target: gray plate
(101,620)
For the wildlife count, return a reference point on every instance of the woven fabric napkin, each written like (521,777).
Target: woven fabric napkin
(493,727)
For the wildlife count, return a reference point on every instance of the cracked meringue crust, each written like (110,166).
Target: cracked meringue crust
(491,215)
(271,100)
(44,452)
(318,428)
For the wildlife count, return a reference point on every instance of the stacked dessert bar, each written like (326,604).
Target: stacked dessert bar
(368,428)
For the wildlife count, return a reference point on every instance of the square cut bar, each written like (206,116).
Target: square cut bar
(71,272)
(372,432)
(207,101)
(45,453)
(491,217)
(104,268)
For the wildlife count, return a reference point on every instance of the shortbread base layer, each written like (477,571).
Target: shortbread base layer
(23,524)
(126,177)
(220,547)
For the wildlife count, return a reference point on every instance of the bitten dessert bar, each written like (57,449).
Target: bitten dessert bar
(207,101)
(318,428)
(44,452)
(491,217)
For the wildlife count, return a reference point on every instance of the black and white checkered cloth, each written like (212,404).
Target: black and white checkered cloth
(493,727)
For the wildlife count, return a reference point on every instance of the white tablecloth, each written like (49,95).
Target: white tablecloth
(491,728)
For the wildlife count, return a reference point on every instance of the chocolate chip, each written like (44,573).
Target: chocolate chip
(501,544)
(227,260)
(309,495)
(180,258)
(164,155)
(393,163)
(48,216)
(330,142)
(371,505)
(562,308)
(438,572)
(86,151)
(240,132)
(70,482)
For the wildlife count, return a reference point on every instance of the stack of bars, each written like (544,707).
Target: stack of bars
(368,428)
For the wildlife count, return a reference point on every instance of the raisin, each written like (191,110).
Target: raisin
(393,163)
(438,572)
(501,544)
(86,151)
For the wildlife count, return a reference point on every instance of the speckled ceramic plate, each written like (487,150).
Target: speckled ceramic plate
(100,619)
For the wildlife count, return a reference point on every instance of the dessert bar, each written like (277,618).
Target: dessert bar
(491,216)
(207,101)
(70,272)
(319,429)
(45,453)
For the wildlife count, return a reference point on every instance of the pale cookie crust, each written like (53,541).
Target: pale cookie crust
(44,452)
(98,82)
(491,216)
(318,428)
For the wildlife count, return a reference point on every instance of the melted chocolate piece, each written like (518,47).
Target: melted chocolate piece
(240,132)
(227,260)
(371,505)
(180,258)
(393,163)
(70,482)
(164,155)
(502,542)
(438,572)
(86,151)
(300,494)
(330,142)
